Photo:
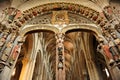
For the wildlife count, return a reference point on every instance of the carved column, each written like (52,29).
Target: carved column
(60,59)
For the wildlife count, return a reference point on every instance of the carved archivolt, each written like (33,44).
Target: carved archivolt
(86,12)
(33,19)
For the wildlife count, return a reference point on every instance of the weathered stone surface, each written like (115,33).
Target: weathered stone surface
(4,57)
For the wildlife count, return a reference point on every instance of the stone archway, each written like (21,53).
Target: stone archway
(19,27)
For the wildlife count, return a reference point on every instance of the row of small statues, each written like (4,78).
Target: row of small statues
(110,28)
(8,49)
(111,32)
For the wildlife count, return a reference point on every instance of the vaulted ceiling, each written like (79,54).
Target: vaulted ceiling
(75,41)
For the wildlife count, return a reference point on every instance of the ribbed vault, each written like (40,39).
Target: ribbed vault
(75,63)
(59,40)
